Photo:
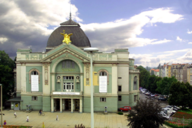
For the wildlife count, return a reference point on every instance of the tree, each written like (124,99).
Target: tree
(6,74)
(152,72)
(144,76)
(146,115)
(181,94)
(152,84)
(163,86)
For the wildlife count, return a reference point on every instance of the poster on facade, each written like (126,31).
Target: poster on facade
(103,84)
(34,83)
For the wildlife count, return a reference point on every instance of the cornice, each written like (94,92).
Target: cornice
(67,50)
(108,62)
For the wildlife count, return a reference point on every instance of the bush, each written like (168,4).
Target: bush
(120,113)
(190,124)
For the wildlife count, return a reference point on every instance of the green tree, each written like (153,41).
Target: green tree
(146,115)
(152,85)
(143,77)
(163,86)
(181,94)
(152,72)
(6,74)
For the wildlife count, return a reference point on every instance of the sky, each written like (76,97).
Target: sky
(154,31)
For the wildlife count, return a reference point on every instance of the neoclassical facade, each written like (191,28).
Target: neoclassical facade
(59,79)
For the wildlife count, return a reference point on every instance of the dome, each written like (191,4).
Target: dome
(78,38)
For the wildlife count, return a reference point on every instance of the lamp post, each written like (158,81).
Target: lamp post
(1,107)
(91,50)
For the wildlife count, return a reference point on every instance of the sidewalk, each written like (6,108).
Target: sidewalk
(66,119)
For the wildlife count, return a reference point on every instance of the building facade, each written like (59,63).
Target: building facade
(189,74)
(59,79)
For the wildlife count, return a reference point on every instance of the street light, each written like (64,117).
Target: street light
(1,107)
(91,50)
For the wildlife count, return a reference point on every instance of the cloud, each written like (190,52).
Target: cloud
(190,43)
(26,23)
(179,39)
(189,32)
(154,59)
(3,40)
(33,20)
(125,32)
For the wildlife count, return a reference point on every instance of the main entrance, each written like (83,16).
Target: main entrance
(57,105)
(76,101)
(67,104)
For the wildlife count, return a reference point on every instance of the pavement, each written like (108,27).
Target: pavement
(66,119)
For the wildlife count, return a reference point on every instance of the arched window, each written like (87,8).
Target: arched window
(34,72)
(135,83)
(102,73)
(103,81)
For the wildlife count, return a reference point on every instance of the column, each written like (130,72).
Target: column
(61,83)
(63,103)
(52,107)
(72,105)
(60,105)
(80,100)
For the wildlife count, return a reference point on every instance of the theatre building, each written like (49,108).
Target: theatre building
(59,78)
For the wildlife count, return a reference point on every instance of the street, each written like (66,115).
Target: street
(144,97)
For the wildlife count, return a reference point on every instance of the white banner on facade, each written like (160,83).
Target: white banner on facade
(34,82)
(67,93)
(103,84)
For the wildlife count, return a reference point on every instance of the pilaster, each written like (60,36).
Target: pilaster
(60,105)
(72,105)
(114,79)
(52,107)
(80,105)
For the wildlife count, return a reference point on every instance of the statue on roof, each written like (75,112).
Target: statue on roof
(66,38)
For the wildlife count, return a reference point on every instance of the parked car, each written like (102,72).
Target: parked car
(148,93)
(162,113)
(152,95)
(125,108)
(174,107)
(162,98)
(169,109)
(143,90)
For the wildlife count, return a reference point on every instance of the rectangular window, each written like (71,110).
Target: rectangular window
(119,88)
(135,98)
(119,78)
(190,70)
(34,98)
(190,77)
(102,99)
(119,98)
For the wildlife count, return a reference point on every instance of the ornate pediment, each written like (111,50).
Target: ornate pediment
(66,51)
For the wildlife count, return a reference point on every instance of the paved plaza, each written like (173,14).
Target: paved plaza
(66,120)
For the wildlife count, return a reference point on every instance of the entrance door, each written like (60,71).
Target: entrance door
(76,104)
(57,104)
(16,106)
(68,104)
